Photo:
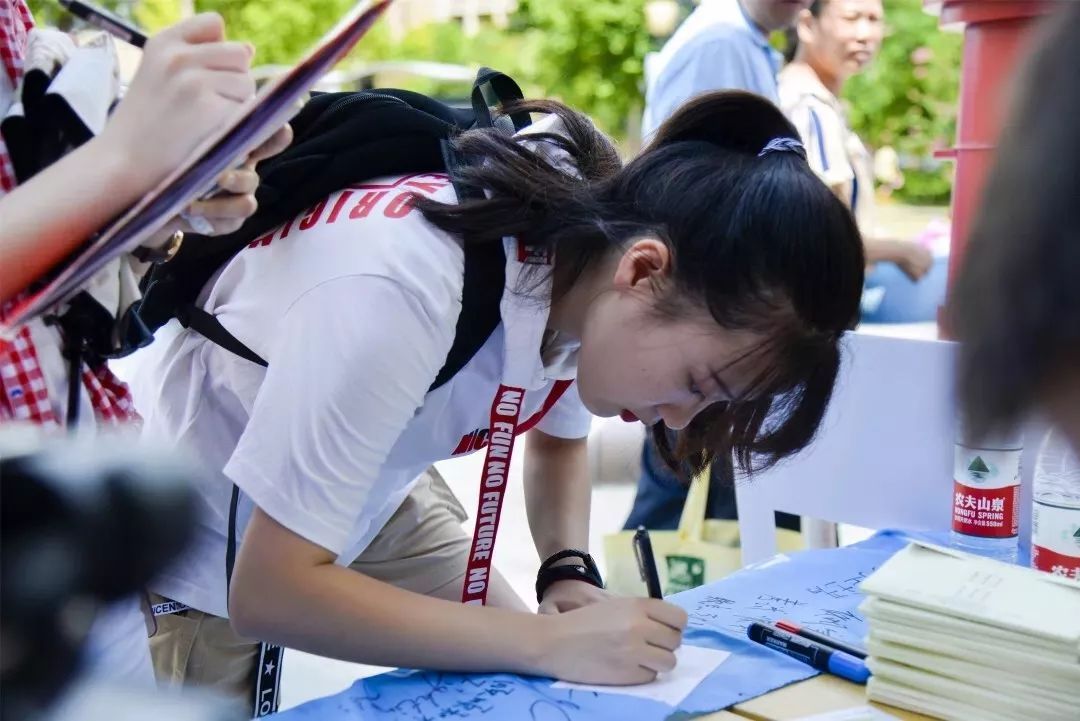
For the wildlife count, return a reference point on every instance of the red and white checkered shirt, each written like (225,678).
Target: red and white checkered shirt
(24,392)
(15,26)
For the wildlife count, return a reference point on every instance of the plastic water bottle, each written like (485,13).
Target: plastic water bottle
(986,495)
(1055,518)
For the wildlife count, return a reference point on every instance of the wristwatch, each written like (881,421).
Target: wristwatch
(162,254)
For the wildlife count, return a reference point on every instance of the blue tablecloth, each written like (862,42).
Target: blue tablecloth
(818,589)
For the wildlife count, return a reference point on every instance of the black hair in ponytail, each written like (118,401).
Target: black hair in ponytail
(757,239)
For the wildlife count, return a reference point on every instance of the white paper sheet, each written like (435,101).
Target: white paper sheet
(694,664)
(947,583)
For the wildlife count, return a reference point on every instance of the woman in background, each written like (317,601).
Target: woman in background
(832,41)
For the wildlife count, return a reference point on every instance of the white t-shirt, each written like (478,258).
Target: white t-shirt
(354,305)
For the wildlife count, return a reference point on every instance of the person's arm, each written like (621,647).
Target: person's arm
(289,591)
(33,240)
(913,259)
(55,211)
(339,391)
(558,495)
(189,82)
(557,492)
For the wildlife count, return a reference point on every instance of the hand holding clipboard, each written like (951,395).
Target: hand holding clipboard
(228,216)
(254,123)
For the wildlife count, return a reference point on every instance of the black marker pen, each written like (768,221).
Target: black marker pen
(104,20)
(647,562)
(809,652)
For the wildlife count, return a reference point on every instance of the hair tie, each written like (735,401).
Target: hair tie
(783,145)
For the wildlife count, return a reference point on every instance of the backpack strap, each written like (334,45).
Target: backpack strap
(230,542)
(485,277)
(493,89)
(208,326)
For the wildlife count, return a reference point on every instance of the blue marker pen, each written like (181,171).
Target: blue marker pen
(809,652)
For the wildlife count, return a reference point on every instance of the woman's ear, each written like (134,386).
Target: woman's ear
(646,263)
(804,27)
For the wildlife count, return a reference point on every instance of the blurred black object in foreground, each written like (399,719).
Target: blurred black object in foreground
(81,524)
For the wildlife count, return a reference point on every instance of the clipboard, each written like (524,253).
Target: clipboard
(254,122)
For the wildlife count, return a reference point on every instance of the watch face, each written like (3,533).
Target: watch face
(163,253)
(175,242)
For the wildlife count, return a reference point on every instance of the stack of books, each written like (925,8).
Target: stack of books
(956,636)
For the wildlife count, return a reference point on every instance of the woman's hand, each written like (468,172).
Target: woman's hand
(563,596)
(620,641)
(225,213)
(189,82)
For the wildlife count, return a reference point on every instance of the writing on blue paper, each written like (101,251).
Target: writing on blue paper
(454,696)
(435,696)
(818,589)
(843,588)
(776,604)
(826,607)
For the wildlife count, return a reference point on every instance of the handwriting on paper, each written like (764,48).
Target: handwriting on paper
(433,696)
(843,588)
(824,607)
(817,590)
(452,697)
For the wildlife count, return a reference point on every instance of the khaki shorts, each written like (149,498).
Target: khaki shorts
(422,548)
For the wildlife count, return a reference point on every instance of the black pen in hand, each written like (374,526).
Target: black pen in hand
(647,562)
(104,20)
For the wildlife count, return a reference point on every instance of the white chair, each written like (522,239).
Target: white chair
(883,457)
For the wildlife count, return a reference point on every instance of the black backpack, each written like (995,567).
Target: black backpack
(341,139)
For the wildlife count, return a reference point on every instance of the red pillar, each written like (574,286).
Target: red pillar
(995,33)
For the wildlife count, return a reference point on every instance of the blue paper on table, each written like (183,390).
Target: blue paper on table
(818,589)
(428,695)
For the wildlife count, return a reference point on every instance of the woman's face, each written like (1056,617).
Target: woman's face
(640,364)
(844,37)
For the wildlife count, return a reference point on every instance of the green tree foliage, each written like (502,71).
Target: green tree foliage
(153,15)
(589,53)
(279,29)
(50,12)
(907,98)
